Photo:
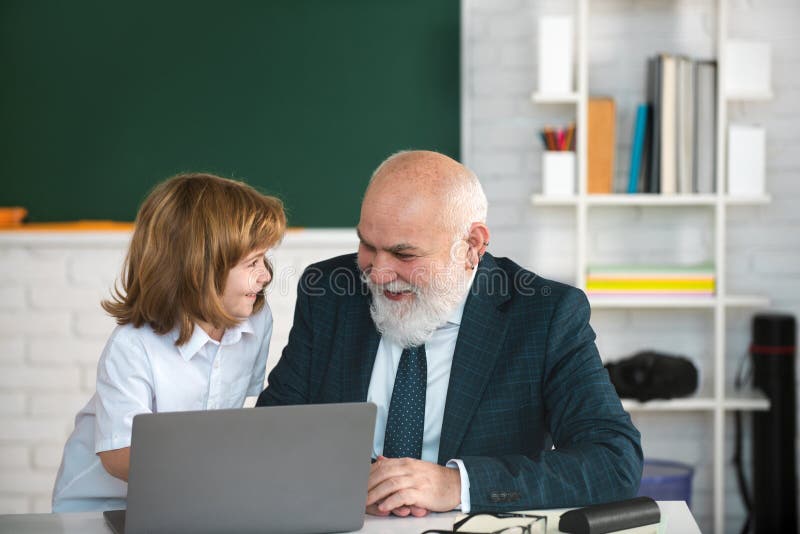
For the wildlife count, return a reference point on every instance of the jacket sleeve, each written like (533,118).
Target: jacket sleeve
(596,455)
(289,381)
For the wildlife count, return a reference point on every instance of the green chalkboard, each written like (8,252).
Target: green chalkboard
(103,99)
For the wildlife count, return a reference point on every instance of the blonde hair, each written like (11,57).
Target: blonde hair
(189,233)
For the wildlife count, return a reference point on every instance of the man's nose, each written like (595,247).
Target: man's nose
(380,272)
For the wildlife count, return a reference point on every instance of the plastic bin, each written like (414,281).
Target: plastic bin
(664,480)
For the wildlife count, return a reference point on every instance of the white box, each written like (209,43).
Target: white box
(556,51)
(747,72)
(746,160)
(558,173)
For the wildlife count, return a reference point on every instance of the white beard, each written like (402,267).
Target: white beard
(411,322)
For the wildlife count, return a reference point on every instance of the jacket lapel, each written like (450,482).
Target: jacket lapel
(480,336)
(360,344)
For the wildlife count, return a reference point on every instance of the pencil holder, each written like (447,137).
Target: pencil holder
(558,173)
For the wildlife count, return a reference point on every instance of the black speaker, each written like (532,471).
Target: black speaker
(775,431)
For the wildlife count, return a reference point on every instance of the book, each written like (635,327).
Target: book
(650,284)
(693,269)
(637,148)
(668,126)
(655,279)
(684,124)
(643,295)
(705,127)
(663,273)
(653,147)
(601,145)
(647,147)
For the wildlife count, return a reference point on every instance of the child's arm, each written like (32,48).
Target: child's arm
(117,462)
(124,389)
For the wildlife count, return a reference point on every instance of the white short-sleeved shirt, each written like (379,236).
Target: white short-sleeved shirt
(143,372)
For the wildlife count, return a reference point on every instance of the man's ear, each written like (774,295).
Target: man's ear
(478,240)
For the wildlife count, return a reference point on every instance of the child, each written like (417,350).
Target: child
(194,327)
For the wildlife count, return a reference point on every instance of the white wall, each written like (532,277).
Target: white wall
(501,145)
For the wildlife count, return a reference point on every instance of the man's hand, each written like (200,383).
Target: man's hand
(404,486)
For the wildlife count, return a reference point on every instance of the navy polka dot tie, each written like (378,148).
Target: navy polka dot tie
(406,422)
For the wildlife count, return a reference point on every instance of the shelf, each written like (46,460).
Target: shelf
(648,200)
(746,97)
(734,400)
(749,400)
(687,404)
(600,302)
(666,302)
(746,301)
(555,98)
(541,200)
(748,201)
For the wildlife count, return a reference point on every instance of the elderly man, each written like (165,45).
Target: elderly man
(490,391)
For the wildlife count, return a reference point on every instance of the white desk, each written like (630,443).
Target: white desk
(675,519)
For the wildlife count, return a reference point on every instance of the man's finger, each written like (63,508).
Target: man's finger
(373,510)
(387,469)
(417,511)
(405,497)
(387,487)
(403,511)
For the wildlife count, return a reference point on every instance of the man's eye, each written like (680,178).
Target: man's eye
(402,256)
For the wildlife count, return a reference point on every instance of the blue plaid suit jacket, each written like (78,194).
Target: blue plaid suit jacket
(530,409)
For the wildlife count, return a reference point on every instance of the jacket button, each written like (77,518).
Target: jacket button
(498,496)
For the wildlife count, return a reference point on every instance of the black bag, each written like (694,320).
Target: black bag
(651,375)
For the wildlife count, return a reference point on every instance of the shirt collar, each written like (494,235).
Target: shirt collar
(458,311)
(199,338)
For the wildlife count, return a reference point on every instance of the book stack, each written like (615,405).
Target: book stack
(650,280)
(674,137)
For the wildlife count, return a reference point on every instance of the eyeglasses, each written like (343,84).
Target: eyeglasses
(498,523)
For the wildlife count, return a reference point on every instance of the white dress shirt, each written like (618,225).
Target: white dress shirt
(439,351)
(143,372)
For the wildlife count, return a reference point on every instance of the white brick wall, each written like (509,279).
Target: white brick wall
(502,147)
(52,331)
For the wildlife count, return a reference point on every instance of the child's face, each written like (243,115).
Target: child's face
(245,280)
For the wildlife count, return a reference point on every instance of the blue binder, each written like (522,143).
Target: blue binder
(637,148)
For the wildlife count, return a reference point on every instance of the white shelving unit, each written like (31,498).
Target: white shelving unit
(717,398)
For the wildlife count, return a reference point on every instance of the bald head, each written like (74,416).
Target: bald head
(421,234)
(432,185)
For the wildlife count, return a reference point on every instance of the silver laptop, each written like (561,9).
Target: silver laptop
(284,469)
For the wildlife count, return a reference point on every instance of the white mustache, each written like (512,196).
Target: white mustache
(395,287)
